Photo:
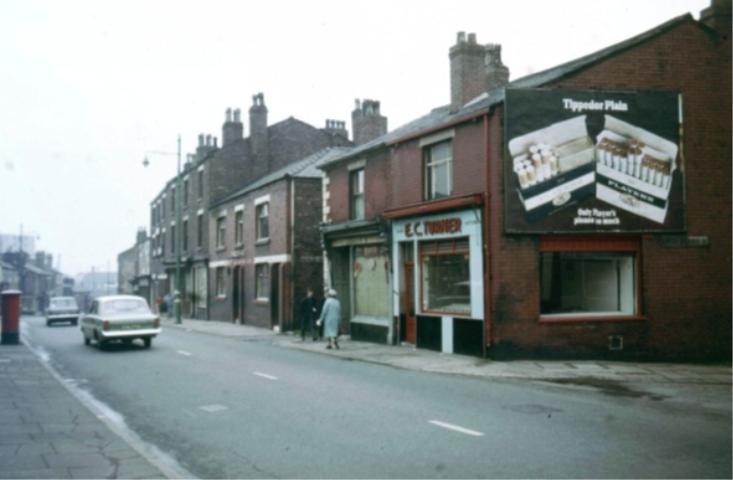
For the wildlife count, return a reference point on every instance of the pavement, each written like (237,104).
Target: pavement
(48,431)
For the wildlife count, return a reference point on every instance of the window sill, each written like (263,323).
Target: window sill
(262,301)
(239,246)
(221,249)
(221,298)
(263,241)
(590,318)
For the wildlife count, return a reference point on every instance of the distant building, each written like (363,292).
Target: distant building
(14,243)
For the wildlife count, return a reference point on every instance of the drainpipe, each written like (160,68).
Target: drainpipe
(487,242)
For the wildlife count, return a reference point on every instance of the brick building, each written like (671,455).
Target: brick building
(212,174)
(561,213)
(266,246)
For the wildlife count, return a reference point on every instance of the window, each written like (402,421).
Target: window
(185,191)
(162,243)
(587,283)
(263,221)
(262,281)
(356,189)
(173,239)
(185,235)
(221,231)
(371,281)
(446,277)
(200,233)
(239,228)
(173,199)
(200,183)
(438,161)
(220,287)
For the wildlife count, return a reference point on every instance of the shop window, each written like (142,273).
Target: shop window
(262,281)
(371,281)
(587,283)
(438,160)
(356,189)
(220,286)
(446,277)
(221,232)
(263,221)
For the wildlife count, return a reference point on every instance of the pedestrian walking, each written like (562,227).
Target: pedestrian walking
(309,315)
(331,318)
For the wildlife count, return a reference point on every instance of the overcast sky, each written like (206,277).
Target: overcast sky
(86,88)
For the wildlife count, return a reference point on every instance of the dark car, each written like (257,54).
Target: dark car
(62,309)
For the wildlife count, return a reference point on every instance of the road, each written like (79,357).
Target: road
(230,408)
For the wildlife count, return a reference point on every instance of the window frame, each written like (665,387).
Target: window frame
(631,245)
(429,166)
(355,196)
(264,206)
(200,178)
(184,233)
(200,231)
(239,228)
(221,232)
(259,278)
(185,191)
(220,282)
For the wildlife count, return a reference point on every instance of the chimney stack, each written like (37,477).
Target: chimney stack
(336,128)
(233,129)
(474,69)
(258,129)
(367,121)
(141,236)
(207,144)
(718,17)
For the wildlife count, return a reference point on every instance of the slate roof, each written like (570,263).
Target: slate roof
(442,115)
(305,168)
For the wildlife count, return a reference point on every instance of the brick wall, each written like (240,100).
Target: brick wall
(685,291)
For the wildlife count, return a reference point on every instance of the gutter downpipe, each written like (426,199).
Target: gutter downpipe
(487,242)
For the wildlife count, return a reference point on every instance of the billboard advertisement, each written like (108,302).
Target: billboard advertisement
(579,161)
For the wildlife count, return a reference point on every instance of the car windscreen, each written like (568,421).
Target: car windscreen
(124,306)
(63,303)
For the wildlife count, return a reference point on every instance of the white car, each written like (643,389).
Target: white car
(119,318)
(62,309)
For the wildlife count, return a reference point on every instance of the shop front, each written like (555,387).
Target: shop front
(438,301)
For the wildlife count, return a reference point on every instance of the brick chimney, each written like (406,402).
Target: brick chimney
(207,144)
(258,125)
(718,17)
(367,122)
(336,128)
(233,129)
(474,69)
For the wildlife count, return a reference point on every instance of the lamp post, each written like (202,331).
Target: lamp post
(179,226)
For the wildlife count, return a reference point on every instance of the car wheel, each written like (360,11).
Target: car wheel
(147,341)
(86,340)
(48,323)
(74,322)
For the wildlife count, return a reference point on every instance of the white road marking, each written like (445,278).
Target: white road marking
(213,408)
(456,428)
(264,375)
(184,353)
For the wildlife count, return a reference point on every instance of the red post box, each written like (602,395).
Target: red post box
(11,317)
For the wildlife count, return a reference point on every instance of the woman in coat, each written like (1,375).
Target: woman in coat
(331,318)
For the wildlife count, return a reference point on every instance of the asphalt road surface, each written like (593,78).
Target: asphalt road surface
(232,408)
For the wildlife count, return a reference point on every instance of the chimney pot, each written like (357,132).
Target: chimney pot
(201,139)
(229,115)
(215,146)
(237,115)
(471,38)
(208,140)
(461,37)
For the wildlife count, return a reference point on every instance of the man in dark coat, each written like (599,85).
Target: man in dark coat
(308,315)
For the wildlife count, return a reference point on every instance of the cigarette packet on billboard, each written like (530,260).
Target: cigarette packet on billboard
(634,169)
(553,166)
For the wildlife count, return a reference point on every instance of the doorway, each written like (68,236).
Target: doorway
(407,293)
(274,294)
(237,295)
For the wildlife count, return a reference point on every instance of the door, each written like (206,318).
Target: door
(236,295)
(407,300)
(275,294)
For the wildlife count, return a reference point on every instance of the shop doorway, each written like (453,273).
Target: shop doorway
(407,294)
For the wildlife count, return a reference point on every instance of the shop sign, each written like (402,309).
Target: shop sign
(580,161)
(422,228)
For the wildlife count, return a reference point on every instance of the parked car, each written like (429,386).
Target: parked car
(119,318)
(62,309)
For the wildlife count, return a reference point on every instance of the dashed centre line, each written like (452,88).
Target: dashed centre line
(264,375)
(184,353)
(456,428)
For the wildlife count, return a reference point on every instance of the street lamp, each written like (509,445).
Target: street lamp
(179,227)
